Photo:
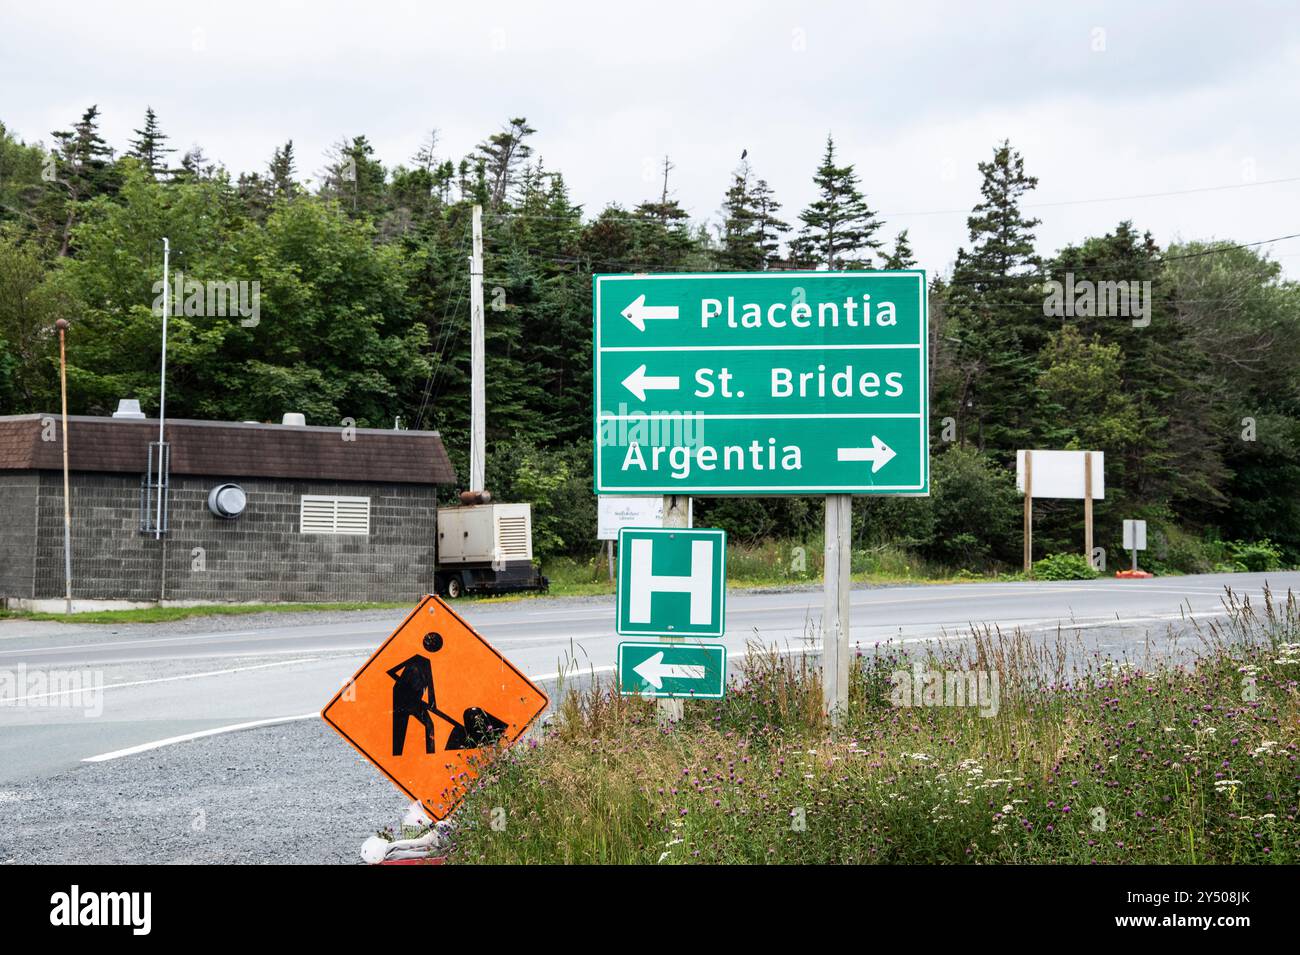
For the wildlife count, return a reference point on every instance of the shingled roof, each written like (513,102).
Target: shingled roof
(228,449)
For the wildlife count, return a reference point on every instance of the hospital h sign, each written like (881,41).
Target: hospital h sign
(672,582)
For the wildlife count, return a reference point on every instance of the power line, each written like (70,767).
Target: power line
(1036,274)
(965,211)
(1081,202)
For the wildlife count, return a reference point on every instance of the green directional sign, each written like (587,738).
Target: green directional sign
(672,581)
(762,383)
(672,669)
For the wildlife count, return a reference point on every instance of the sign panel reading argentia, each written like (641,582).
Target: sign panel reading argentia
(762,383)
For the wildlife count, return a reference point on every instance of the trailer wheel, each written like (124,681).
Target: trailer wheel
(454,587)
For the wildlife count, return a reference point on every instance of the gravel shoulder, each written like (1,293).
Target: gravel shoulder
(292,793)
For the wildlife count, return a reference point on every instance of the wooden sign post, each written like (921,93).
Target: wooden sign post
(1029,510)
(1087,508)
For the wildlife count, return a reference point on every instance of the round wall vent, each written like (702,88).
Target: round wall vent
(227,500)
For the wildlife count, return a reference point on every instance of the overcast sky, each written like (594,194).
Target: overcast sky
(1103,99)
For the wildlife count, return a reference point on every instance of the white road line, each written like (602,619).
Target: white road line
(165,642)
(217,731)
(162,679)
(254,724)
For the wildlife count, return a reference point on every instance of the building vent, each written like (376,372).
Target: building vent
(514,537)
(321,514)
(128,408)
(227,501)
(294,418)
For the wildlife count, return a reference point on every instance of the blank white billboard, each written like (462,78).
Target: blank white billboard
(1060,474)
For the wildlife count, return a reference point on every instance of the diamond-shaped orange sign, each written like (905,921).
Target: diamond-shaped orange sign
(433,705)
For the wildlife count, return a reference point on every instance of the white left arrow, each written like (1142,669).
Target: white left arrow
(638,312)
(879,454)
(639,383)
(653,670)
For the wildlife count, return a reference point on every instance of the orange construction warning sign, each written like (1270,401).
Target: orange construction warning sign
(433,705)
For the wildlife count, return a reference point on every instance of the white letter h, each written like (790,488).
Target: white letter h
(644,582)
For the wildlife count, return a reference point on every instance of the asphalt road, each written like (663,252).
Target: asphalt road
(166,680)
(169,722)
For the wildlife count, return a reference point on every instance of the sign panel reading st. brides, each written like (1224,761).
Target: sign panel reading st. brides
(761,383)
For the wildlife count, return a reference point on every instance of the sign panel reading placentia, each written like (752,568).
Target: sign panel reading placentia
(762,383)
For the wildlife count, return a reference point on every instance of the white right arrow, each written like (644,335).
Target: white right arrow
(879,454)
(653,670)
(639,383)
(639,312)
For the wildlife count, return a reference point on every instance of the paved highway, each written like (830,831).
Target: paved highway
(162,683)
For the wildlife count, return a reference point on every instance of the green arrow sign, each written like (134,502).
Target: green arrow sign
(672,669)
(672,582)
(762,383)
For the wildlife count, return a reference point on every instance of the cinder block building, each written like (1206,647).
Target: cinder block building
(249,512)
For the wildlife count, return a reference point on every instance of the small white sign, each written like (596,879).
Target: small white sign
(1135,535)
(1060,474)
(616,512)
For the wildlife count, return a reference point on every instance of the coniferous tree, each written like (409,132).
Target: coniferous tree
(838,227)
(662,238)
(768,227)
(355,178)
(500,157)
(149,146)
(741,250)
(901,257)
(281,170)
(83,170)
(195,165)
(995,303)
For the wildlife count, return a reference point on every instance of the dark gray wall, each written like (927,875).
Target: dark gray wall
(17,532)
(260,556)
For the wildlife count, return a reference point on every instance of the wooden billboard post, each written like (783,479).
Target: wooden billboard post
(1029,511)
(1087,508)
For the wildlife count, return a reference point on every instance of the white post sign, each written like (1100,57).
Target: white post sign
(615,513)
(1135,535)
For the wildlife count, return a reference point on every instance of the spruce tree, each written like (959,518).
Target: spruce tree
(355,178)
(662,238)
(901,257)
(768,227)
(195,165)
(149,148)
(83,170)
(838,227)
(741,250)
(995,304)
(500,157)
(281,170)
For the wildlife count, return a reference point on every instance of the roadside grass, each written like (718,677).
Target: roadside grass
(1104,761)
(165,614)
(772,564)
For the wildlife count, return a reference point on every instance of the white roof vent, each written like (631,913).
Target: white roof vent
(128,408)
(294,418)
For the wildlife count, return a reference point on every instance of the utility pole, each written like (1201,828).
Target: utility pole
(835,606)
(677,513)
(62,326)
(162,384)
(477,402)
